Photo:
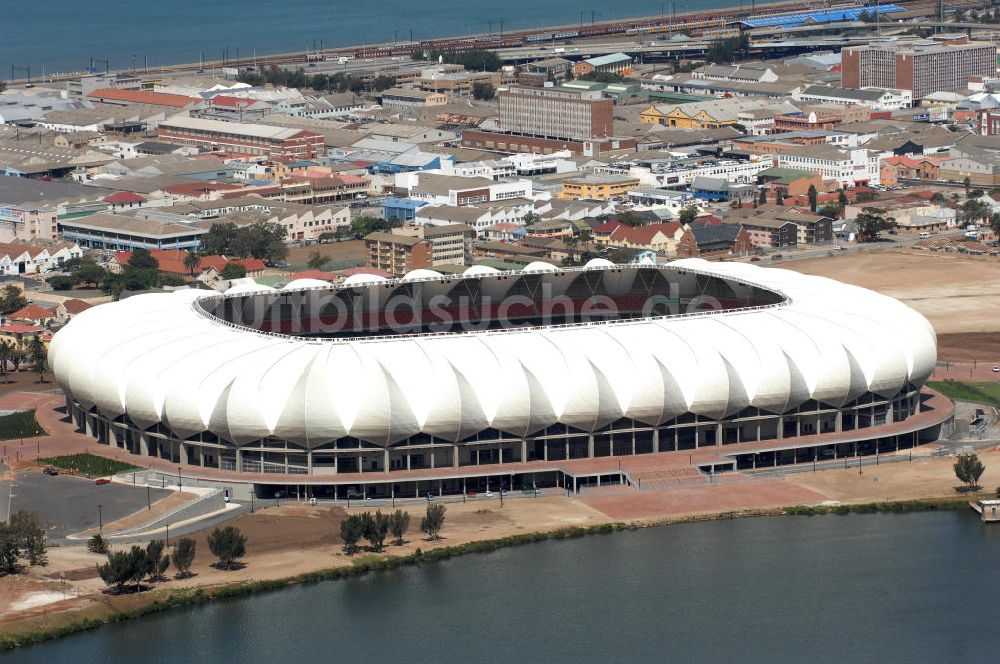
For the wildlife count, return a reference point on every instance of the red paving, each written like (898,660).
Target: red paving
(703,499)
(979,371)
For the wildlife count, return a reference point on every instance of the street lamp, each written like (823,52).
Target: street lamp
(100,518)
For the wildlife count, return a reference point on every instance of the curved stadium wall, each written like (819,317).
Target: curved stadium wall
(487,367)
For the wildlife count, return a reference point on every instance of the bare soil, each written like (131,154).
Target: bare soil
(352,250)
(959,294)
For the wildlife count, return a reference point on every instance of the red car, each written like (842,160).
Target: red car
(102,480)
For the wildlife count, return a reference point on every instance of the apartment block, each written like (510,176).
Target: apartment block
(921,67)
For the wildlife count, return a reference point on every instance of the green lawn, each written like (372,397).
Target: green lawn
(88,464)
(20,425)
(987,393)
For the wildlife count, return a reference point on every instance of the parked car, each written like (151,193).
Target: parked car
(102,480)
(49,470)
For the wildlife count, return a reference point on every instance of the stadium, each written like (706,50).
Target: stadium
(548,376)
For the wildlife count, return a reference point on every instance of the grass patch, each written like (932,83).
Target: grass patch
(887,507)
(987,393)
(20,425)
(88,464)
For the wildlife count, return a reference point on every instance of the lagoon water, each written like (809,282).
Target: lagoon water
(63,35)
(860,588)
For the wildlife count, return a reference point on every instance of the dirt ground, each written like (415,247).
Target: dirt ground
(352,250)
(25,379)
(959,295)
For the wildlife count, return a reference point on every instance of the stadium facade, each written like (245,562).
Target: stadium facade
(450,379)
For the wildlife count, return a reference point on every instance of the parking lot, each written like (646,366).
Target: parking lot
(71,504)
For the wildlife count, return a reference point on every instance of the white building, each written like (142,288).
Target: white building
(877,99)
(848,167)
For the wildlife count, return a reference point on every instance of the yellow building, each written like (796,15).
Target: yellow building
(686,116)
(598,187)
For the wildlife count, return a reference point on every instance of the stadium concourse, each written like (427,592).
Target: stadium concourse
(434,384)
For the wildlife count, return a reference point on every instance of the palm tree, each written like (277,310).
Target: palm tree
(192,261)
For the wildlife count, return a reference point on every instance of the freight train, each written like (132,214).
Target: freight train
(708,23)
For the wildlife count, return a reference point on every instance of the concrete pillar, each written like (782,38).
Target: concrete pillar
(433,451)
(239,460)
(838,421)
(454,455)
(656,440)
(590,446)
(524,450)
(719,434)
(385,460)
(566,454)
(309,462)
(143,444)
(545,450)
(781,427)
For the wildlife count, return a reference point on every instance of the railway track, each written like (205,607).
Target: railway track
(716,22)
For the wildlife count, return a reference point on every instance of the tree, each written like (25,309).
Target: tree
(17,356)
(688,214)
(183,557)
(36,349)
(968,469)
(433,520)
(219,238)
(233,271)
(97,544)
(90,273)
(974,211)
(976,193)
(762,198)
(483,91)
(124,567)
(316,260)
(779,197)
(12,299)
(228,545)
(141,258)
(995,222)
(813,196)
(938,197)
(156,561)
(6,350)
(61,282)
(831,211)
(399,523)
(30,535)
(383,82)
(376,527)
(351,530)
(191,262)
(842,199)
(967,182)
(871,222)
(10,550)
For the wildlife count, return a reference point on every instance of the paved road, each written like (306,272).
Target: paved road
(71,504)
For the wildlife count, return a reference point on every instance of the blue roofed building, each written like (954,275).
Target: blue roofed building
(798,19)
(614,63)
(404,209)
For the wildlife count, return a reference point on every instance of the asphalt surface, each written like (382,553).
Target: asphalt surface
(71,504)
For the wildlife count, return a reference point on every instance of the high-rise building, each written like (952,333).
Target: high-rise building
(559,113)
(922,68)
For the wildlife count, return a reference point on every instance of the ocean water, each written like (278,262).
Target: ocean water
(63,35)
(886,588)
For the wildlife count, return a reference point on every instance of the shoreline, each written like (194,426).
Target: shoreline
(165,599)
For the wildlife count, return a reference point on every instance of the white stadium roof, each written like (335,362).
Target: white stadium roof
(160,358)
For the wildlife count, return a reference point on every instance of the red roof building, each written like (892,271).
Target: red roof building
(172,260)
(113,96)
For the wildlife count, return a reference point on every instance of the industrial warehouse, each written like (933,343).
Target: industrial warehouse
(444,384)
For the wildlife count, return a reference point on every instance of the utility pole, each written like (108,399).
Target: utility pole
(100,518)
